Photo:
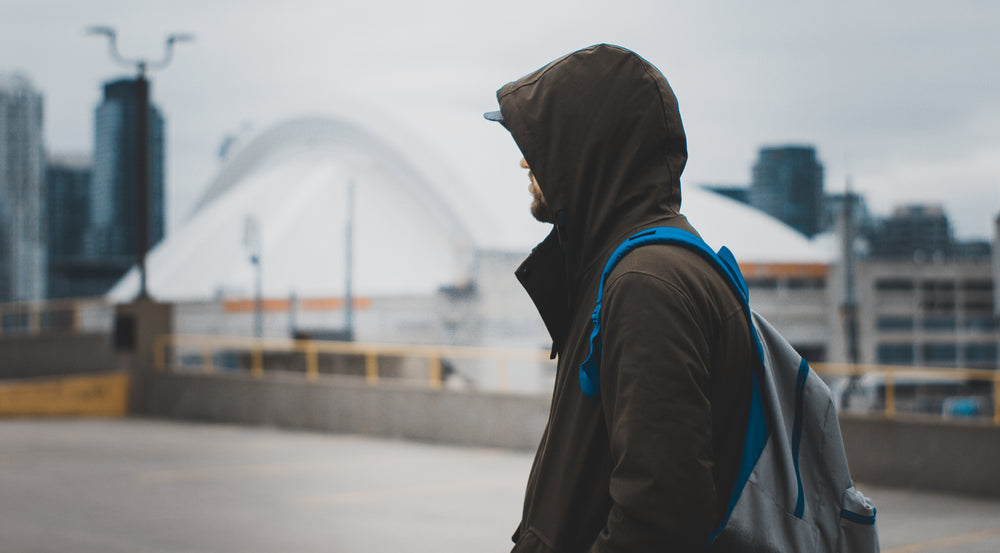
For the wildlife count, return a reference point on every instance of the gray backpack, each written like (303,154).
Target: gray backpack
(793,492)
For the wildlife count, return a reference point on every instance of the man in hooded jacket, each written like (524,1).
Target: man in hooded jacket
(647,464)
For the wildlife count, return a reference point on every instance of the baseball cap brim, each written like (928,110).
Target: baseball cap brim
(494,116)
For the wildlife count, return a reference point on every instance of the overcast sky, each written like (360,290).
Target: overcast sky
(903,95)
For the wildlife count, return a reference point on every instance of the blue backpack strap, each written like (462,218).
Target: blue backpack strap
(725,262)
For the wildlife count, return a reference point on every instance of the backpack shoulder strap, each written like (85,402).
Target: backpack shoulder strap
(724,262)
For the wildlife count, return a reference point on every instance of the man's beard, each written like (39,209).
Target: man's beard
(541,212)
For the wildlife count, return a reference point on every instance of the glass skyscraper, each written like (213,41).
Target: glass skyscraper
(114,189)
(22,192)
(788,185)
(71,273)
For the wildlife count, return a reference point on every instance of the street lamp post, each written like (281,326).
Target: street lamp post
(251,241)
(349,266)
(142,130)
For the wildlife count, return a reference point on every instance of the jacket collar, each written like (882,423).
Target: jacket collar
(543,276)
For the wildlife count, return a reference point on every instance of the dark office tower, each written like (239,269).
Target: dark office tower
(114,191)
(71,274)
(788,184)
(22,192)
(861,218)
(914,232)
(68,182)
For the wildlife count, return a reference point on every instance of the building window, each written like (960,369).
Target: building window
(895,324)
(806,283)
(939,353)
(938,295)
(977,285)
(762,284)
(894,285)
(939,305)
(980,353)
(938,286)
(939,324)
(977,296)
(985,324)
(895,354)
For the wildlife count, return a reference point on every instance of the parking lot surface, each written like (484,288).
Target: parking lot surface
(136,486)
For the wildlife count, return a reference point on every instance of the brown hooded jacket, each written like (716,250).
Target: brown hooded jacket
(645,465)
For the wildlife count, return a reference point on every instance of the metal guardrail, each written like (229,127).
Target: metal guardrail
(71,316)
(888,380)
(374,355)
(883,383)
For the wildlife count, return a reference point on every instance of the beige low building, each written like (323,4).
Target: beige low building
(935,313)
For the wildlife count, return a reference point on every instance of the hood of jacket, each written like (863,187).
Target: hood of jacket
(602,133)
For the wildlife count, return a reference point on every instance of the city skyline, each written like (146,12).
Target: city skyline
(898,93)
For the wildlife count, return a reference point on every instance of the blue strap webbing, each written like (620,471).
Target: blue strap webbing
(723,261)
(800,387)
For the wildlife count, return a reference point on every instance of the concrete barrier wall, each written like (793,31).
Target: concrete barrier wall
(55,354)
(926,454)
(931,455)
(344,404)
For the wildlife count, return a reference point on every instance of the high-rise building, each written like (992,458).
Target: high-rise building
(788,184)
(861,218)
(68,186)
(114,191)
(914,231)
(71,272)
(22,192)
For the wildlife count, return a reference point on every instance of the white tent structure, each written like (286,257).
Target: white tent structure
(752,235)
(292,180)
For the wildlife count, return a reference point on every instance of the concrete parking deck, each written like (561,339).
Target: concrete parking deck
(135,486)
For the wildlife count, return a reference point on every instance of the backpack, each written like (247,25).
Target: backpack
(793,490)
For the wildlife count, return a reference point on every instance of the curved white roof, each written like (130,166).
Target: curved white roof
(417,224)
(292,181)
(752,235)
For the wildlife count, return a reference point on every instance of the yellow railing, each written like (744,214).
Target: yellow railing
(55,316)
(272,354)
(892,377)
(371,356)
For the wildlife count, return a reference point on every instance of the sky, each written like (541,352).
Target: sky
(902,96)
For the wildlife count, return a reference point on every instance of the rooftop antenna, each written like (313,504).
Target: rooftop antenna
(252,243)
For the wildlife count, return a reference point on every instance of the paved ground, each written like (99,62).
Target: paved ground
(106,486)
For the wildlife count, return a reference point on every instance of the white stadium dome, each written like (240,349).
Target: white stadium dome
(410,237)
(752,235)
